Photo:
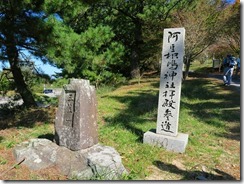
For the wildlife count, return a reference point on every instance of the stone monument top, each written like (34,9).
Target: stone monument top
(75,123)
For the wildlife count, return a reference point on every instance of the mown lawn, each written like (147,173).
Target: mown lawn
(209,113)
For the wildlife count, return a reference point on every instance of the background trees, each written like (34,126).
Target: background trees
(105,41)
(231,36)
(137,25)
(202,29)
(228,39)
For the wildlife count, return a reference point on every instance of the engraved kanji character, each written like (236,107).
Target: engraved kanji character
(168,103)
(168,114)
(173,65)
(172,94)
(166,126)
(173,74)
(173,35)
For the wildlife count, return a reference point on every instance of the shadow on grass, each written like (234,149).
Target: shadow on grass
(138,104)
(193,175)
(216,111)
(22,117)
(222,107)
(204,70)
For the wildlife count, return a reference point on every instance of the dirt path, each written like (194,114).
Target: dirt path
(235,81)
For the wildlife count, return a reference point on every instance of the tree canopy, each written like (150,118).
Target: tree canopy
(105,41)
(137,25)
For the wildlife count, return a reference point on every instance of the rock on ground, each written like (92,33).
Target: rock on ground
(97,162)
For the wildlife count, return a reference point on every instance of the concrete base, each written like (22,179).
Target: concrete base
(176,144)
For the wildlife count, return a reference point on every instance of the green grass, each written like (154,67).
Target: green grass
(3,161)
(201,66)
(129,111)
(209,113)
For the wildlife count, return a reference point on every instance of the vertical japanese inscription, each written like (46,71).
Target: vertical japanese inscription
(170,81)
(69,108)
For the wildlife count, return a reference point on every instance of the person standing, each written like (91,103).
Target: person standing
(228,64)
(238,67)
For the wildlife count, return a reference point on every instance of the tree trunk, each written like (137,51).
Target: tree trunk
(22,88)
(136,47)
(135,54)
(135,69)
(188,64)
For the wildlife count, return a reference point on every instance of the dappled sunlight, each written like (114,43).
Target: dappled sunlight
(210,103)
(207,114)
(132,106)
(27,117)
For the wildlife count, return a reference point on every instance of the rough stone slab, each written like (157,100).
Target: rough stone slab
(75,122)
(106,161)
(38,153)
(69,161)
(98,161)
(176,144)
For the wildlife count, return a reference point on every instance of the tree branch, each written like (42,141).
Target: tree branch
(15,165)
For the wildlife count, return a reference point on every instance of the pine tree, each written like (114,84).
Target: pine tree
(137,24)
(22,27)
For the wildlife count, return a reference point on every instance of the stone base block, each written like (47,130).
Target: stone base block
(176,144)
(97,162)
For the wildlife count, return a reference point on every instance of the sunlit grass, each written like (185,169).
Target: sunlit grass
(129,111)
(201,66)
(208,114)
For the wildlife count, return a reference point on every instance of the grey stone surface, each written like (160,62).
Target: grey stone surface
(166,134)
(38,153)
(75,123)
(105,162)
(170,81)
(70,161)
(98,161)
(171,143)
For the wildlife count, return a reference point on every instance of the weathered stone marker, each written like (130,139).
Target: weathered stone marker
(166,134)
(77,153)
(75,123)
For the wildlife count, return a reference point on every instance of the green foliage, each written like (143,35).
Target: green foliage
(22,28)
(112,31)
(60,82)
(33,79)
(27,23)
(5,84)
(90,55)
(45,100)
(106,41)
